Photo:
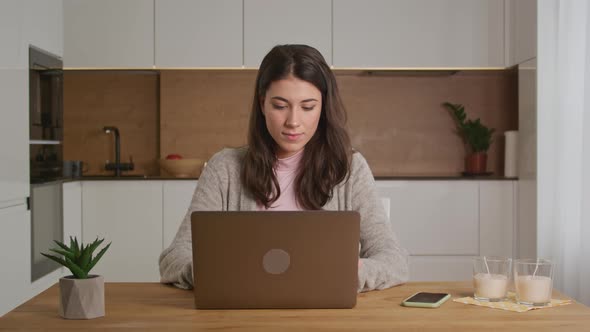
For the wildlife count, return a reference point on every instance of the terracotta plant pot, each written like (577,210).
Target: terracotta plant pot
(81,298)
(476,163)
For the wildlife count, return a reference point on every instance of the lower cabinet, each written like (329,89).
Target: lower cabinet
(178,195)
(15,243)
(444,224)
(434,217)
(128,213)
(441,268)
(497,218)
(72,210)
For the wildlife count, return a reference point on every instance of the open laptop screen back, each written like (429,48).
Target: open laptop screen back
(275,259)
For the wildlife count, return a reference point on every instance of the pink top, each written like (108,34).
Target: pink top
(286,172)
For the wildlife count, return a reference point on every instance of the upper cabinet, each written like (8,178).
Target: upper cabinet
(349,33)
(109,34)
(11,38)
(14,137)
(418,33)
(521,25)
(44,26)
(198,33)
(271,22)
(22,23)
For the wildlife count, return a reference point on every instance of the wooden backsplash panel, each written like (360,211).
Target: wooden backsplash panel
(127,100)
(396,120)
(204,111)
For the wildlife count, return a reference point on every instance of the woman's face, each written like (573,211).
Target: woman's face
(292,109)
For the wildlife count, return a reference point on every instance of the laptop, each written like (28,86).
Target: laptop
(275,259)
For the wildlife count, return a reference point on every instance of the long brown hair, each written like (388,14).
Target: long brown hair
(327,156)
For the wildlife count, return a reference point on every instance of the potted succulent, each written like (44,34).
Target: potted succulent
(81,294)
(476,136)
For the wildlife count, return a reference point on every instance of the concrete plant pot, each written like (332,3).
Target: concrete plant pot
(81,298)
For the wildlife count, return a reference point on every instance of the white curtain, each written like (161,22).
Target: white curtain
(563,178)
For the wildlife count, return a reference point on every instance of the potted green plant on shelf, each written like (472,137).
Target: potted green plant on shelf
(81,294)
(476,137)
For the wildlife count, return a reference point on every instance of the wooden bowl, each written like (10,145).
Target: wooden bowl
(182,168)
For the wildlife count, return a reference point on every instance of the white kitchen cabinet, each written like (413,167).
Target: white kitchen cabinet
(11,34)
(198,33)
(418,33)
(72,210)
(497,216)
(14,134)
(271,22)
(129,214)
(44,25)
(109,34)
(349,33)
(434,217)
(521,27)
(178,195)
(441,268)
(526,233)
(22,23)
(444,224)
(15,244)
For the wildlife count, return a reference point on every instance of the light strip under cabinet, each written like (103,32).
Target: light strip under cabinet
(44,142)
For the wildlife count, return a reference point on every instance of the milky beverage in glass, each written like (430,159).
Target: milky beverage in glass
(533,279)
(490,278)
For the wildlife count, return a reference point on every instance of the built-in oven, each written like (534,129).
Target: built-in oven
(46,95)
(45,115)
(46,156)
(46,225)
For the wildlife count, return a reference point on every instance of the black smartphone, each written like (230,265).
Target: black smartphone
(426,300)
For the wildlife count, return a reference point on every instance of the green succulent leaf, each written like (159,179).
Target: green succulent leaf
(63,253)
(76,270)
(63,246)
(74,247)
(98,257)
(77,247)
(85,257)
(95,245)
(78,256)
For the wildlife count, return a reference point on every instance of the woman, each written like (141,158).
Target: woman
(298,157)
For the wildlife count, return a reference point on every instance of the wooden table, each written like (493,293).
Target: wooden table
(152,306)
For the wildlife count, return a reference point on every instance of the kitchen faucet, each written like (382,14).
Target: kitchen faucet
(117,166)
